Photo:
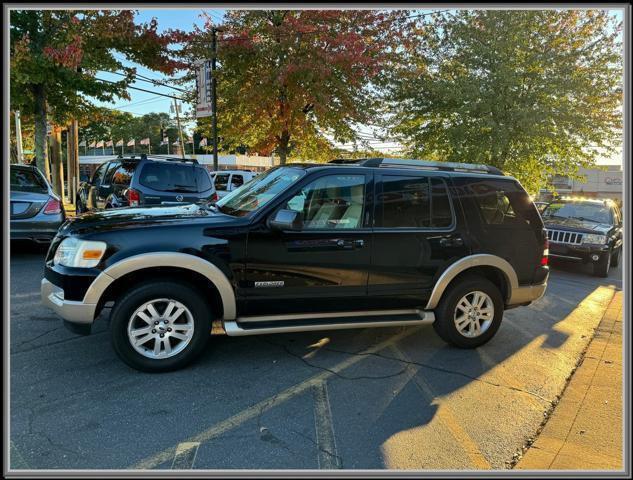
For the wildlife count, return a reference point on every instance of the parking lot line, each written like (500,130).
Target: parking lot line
(445,415)
(327,456)
(185,456)
(274,400)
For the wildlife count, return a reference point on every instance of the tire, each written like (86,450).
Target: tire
(446,312)
(188,332)
(615,257)
(601,267)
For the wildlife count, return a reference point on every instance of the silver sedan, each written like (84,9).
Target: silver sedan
(36,211)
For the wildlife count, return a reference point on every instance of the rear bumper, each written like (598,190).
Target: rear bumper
(69,310)
(525,294)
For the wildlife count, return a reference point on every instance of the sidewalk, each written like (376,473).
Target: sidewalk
(585,430)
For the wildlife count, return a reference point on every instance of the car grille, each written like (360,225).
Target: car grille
(561,236)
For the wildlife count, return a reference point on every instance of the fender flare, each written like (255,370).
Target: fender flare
(166,259)
(478,260)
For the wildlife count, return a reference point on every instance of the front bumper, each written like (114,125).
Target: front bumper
(70,310)
(577,253)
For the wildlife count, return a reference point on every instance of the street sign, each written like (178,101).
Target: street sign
(203,85)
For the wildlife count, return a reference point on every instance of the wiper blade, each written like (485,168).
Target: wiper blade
(182,189)
(582,219)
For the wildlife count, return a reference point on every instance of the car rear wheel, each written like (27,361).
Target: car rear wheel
(601,267)
(470,313)
(160,326)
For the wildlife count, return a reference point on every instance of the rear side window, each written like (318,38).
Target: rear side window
(414,202)
(24,180)
(167,177)
(108,178)
(503,203)
(237,180)
(203,179)
(123,174)
(221,181)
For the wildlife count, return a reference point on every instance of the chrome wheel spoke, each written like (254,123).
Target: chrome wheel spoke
(473,314)
(170,338)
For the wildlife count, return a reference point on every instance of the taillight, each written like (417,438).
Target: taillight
(545,257)
(53,207)
(214,197)
(133,197)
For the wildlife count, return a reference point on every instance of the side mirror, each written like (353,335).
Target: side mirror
(286,220)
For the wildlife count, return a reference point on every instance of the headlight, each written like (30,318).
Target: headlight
(73,252)
(594,238)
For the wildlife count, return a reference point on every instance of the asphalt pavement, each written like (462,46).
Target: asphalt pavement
(394,398)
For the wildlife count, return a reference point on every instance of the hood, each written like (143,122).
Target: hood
(135,217)
(576,225)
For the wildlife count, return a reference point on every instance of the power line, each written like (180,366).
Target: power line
(143,90)
(142,78)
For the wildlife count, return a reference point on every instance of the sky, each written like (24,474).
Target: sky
(184,19)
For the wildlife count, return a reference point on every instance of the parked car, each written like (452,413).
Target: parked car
(585,230)
(228,180)
(36,211)
(378,243)
(144,181)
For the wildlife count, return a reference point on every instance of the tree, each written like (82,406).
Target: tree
(291,79)
(533,92)
(55,55)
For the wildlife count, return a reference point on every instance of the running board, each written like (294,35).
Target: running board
(312,322)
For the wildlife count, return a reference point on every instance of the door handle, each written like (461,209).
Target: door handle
(451,241)
(350,244)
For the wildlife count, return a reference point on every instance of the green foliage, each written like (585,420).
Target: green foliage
(533,92)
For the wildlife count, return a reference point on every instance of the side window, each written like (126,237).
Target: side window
(98,176)
(503,204)
(221,181)
(236,181)
(107,178)
(405,202)
(123,175)
(331,202)
(441,213)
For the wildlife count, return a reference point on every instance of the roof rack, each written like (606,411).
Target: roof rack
(421,164)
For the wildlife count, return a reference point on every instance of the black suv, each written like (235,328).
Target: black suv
(585,230)
(133,181)
(376,243)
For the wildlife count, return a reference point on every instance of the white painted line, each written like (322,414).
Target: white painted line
(25,295)
(327,455)
(185,456)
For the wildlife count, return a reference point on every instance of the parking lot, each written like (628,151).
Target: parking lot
(394,398)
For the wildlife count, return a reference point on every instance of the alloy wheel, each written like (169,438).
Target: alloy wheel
(474,314)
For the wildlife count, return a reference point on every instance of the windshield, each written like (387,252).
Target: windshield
(259,191)
(593,212)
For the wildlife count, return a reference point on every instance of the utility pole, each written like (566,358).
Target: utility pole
(182,142)
(18,136)
(214,99)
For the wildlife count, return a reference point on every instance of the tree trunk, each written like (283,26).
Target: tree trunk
(41,144)
(282,147)
(56,163)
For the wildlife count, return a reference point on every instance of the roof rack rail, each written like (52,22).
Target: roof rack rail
(422,164)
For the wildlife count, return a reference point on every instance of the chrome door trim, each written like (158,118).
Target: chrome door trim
(324,315)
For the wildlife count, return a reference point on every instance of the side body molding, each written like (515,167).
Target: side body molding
(166,259)
(478,260)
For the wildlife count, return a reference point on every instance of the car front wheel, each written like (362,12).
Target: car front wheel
(469,313)
(601,267)
(160,326)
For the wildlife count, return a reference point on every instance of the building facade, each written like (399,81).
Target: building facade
(601,182)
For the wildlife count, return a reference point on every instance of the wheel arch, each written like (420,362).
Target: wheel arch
(495,268)
(206,276)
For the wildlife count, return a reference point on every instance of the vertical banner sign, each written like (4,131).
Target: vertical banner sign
(203,85)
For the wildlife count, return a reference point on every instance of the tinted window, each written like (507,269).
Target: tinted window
(221,181)
(503,203)
(96,178)
(592,212)
(167,177)
(237,180)
(334,201)
(123,174)
(203,179)
(405,202)
(24,180)
(107,178)
(441,214)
